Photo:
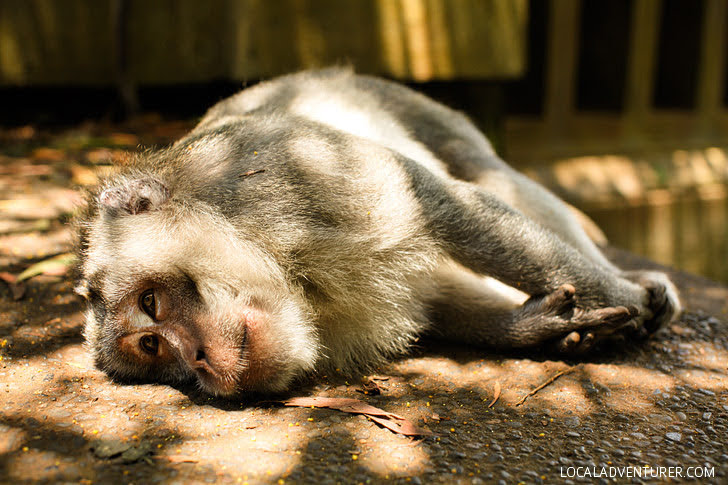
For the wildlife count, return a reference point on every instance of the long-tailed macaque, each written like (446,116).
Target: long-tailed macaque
(325,220)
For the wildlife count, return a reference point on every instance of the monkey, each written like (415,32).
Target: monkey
(326,220)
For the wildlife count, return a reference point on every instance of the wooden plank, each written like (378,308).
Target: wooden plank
(54,42)
(561,58)
(713,51)
(642,61)
(172,41)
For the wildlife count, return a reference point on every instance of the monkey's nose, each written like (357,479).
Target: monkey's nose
(201,361)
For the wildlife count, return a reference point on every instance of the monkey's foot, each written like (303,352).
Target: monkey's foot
(663,303)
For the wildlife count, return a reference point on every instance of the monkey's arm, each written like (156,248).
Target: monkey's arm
(568,292)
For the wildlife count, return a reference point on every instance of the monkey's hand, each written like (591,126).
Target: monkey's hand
(556,316)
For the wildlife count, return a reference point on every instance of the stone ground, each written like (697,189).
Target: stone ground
(661,404)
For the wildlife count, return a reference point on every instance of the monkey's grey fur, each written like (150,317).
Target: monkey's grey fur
(324,220)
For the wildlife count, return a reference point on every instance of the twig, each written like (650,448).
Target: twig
(252,172)
(549,381)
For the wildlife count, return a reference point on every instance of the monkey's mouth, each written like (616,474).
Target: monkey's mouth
(218,384)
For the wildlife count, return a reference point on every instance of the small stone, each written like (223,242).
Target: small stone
(707,416)
(572,421)
(136,453)
(109,449)
(495,458)
(673,436)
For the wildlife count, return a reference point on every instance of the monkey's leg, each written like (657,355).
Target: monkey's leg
(470,308)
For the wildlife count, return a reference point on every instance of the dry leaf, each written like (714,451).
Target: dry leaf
(124,139)
(45,153)
(370,387)
(391,421)
(16,288)
(81,175)
(496,393)
(56,266)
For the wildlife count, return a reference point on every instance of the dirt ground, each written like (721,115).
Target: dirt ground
(650,412)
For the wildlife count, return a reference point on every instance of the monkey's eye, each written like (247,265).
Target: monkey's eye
(148,304)
(149,344)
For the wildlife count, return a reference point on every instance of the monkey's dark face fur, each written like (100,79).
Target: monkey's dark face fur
(323,220)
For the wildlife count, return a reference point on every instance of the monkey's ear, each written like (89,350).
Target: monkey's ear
(135,196)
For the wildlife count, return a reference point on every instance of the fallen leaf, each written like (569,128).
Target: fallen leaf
(391,421)
(81,175)
(496,393)
(8,277)
(56,266)
(45,153)
(17,289)
(124,139)
(370,387)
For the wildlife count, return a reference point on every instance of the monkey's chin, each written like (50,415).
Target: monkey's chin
(238,388)
(219,386)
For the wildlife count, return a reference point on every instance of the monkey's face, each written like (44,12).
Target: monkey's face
(175,295)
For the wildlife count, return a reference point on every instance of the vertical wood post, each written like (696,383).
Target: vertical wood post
(561,57)
(642,61)
(712,76)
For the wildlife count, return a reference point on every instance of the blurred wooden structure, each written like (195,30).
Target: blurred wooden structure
(650,166)
(629,154)
(187,41)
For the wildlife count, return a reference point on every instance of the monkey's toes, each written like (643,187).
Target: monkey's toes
(569,343)
(660,304)
(587,342)
(663,303)
(605,321)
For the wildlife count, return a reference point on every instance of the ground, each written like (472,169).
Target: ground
(660,403)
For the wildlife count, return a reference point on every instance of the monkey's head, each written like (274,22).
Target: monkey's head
(176,294)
